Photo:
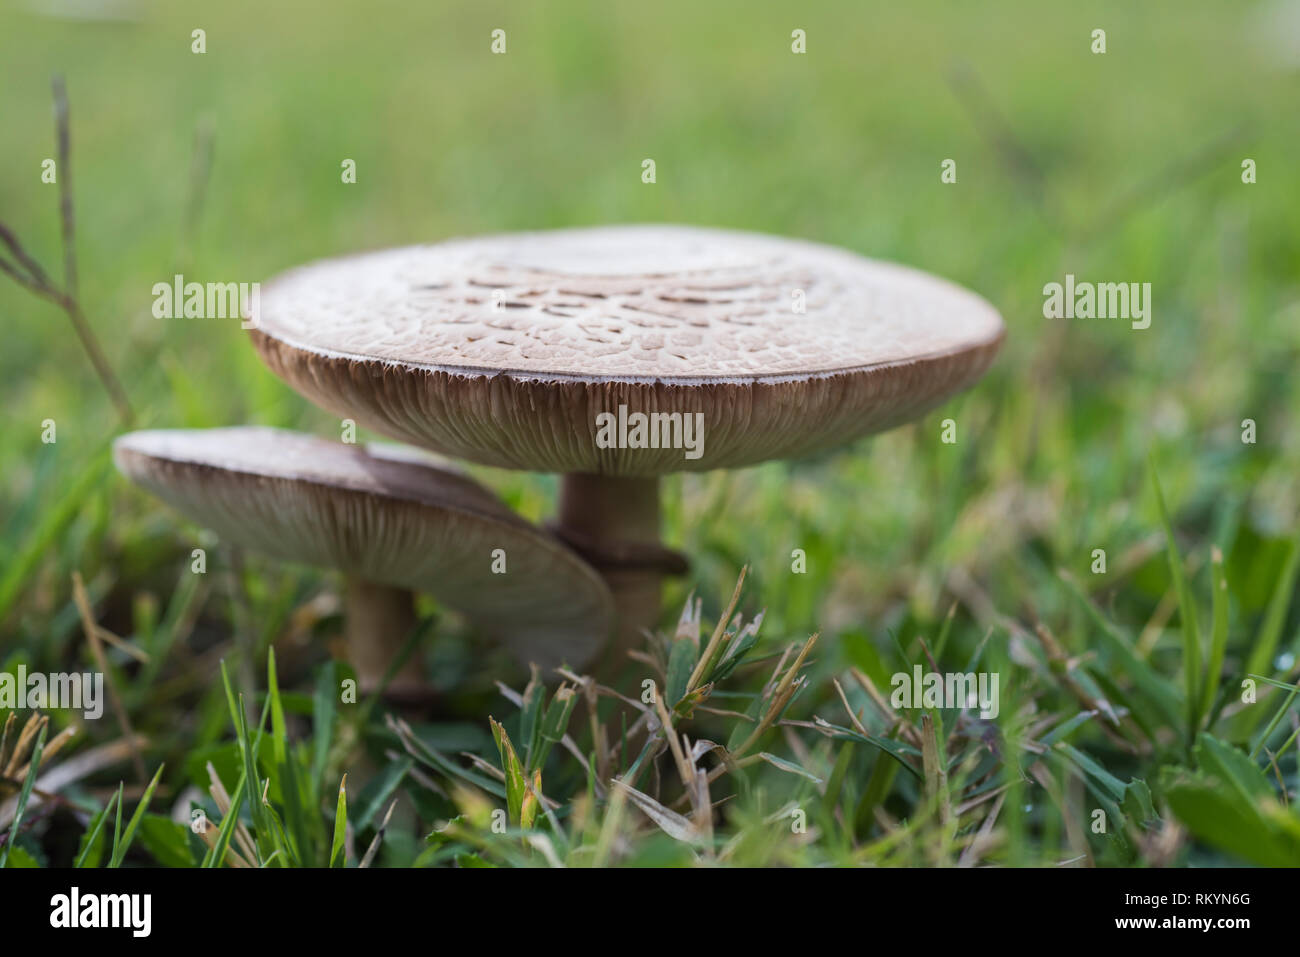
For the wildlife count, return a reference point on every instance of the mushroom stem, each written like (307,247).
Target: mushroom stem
(614,524)
(378,621)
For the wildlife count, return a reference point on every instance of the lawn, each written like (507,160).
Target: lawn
(1130,729)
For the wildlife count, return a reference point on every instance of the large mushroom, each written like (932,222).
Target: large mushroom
(391,524)
(542,351)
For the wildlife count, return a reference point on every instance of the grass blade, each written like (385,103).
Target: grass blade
(28,783)
(1218,633)
(1149,682)
(246,746)
(117,824)
(323,712)
(55,518)
(1261,653)
(1277,715)
(789,766)
(217,853)
(92,833)
(1186,613)
(380,790)
(338,850)
(120,848)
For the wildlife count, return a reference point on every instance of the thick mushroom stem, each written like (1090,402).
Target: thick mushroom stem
(378,619)
(614,524)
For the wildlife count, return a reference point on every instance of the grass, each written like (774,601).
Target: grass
(1122,691)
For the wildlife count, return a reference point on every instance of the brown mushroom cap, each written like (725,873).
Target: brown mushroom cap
(383,518)
(505,349)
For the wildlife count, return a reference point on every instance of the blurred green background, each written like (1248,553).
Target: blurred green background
(1117,167)
(841,145)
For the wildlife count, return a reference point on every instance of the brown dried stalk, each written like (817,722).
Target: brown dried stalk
(27,272)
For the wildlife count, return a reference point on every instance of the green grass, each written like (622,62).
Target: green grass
(1121,692)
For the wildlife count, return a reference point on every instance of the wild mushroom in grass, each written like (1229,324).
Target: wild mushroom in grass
(520,350)
(391,524)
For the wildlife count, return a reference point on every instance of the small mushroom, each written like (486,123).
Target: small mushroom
(515,351)
(391,524)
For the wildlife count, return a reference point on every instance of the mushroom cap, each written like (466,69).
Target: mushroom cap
(505,349)
(382,517)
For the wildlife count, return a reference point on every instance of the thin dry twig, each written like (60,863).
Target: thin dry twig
(31,729)
(221,797)
(121,644)
(4,738)
(67,220)
(378,839)
(97,649)
(73,769)
(49,751)
(711,649)
(27,272)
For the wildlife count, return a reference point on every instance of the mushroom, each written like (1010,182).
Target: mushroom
(391,524)
(541,351)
